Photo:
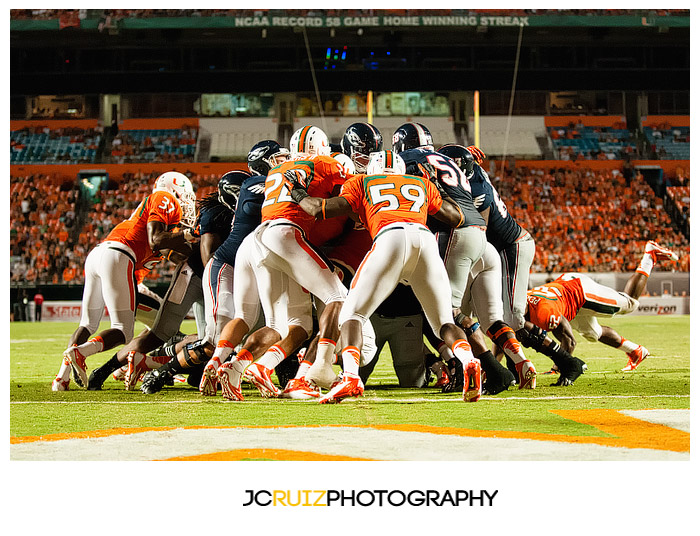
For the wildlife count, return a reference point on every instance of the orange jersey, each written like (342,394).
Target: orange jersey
(380,200)
(326,174)
(158,206)
(547,303)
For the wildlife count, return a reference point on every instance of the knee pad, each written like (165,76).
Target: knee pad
(533,338)
(496,329)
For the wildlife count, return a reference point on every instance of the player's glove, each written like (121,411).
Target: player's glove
(428,171)
(297,182)
(477,153)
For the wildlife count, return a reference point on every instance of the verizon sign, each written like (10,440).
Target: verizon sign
(653,305)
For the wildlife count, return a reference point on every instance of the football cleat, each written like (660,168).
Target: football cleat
(350,385)
(504,378)
(77,365)
(322,374)
(136,366)
(59,384)
(154,380)
(260,376)
(569,371)
(230,380)
(526,374)
(209,382)
(471,392)
(456,376)
(120,373)
(300,389)
(659,252)
(635,358)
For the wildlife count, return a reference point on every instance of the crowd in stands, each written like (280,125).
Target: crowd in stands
(46,14)
(42,226)
(590,220)
(165,145)
(46,243)
(582,220)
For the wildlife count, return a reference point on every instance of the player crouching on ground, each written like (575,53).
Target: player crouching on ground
(394,208)
(575,301)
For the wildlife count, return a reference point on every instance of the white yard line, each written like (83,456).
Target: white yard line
(364,399)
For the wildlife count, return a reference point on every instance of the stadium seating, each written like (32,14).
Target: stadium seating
(53,147)
(154,145)
(672,143)
(592,142)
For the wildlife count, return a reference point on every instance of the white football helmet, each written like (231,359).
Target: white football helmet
(180,187)
(345,161)
(385,163)
(310,141)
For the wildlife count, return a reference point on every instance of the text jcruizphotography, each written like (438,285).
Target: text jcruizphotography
(366,497)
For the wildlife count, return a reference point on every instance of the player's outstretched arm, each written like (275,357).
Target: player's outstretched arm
(450,213)
(322,209)
(565,335)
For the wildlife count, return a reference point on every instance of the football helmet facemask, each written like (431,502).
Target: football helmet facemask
(411,135)
(359,140)
(265,155)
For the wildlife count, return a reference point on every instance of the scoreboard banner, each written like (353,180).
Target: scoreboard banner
(379,21)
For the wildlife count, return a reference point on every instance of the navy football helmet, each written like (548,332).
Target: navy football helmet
(230,187)
(461,156)
(411,135)
(265,155)
(359,140)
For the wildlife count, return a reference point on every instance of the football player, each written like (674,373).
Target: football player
(394,207)
(288,259)
(359,141)
(574,302)
(516,254)
(213,225)
(110,267)
(460,247)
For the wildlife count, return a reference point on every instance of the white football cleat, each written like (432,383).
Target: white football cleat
(59,384)
(230,380)
(261,377)
(659,252)
(300,389)
(136,366)
(77,365)
(208,385)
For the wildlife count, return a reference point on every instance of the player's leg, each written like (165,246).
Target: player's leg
(464,249)
(430,284)
(375,280)
(185,289)
(291,253)
(516,261)
(636,353)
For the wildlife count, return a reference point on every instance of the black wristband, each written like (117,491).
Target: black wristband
(298,194)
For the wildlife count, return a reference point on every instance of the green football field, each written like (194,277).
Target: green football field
(662,382)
